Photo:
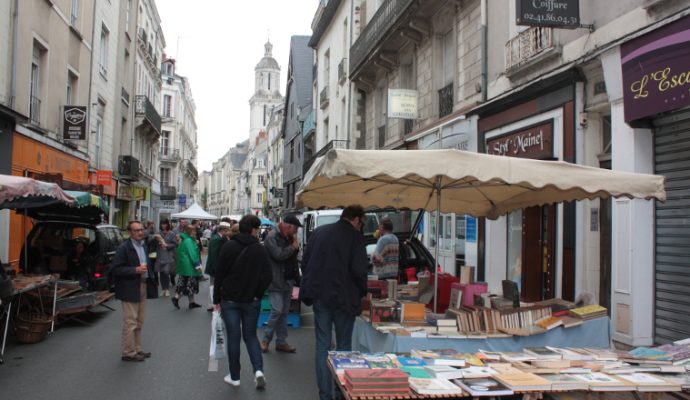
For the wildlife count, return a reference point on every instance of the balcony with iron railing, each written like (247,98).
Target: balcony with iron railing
(35,110)
(445,100)
(189,165)
(530,45)
(168,154)
(342,72)
(324,98)
(333,144)
(168,192)
(145,109)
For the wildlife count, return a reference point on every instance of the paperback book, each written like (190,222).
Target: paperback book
(479,387)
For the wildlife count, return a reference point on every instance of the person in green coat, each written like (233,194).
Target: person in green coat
(188,268)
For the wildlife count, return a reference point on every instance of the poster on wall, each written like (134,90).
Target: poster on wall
(74,123)
(402,103)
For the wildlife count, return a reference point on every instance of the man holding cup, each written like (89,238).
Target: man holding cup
(130,271)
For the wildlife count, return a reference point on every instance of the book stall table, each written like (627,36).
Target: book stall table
(22,284)
(592,333)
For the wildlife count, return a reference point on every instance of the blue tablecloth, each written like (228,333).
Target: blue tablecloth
(592,333)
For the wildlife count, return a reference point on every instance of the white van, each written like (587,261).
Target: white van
(315,218)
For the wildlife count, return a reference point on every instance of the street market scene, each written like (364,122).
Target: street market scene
(425,199)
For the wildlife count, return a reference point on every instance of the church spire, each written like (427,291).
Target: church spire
(269,49)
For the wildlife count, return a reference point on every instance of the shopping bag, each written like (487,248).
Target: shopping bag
(218,348)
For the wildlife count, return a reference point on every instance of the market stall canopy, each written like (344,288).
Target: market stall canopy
(478,184)
(194,212)
(267,222)
(85,207)
(19,192)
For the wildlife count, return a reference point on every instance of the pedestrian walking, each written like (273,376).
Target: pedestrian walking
(282,247)
(188,268)
(130,271)
(334,280)
(217,240)
(243,273)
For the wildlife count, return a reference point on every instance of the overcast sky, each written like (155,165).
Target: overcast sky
(217,44)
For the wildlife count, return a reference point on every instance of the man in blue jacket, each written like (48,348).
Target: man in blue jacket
(334,280)
(130,271)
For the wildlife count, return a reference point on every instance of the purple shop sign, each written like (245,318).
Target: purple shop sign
(656,71)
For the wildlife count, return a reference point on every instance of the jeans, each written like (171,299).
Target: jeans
(277,321)
(325,319)
(240,322)
(164,280)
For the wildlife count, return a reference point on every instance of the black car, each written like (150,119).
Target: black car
(412,253)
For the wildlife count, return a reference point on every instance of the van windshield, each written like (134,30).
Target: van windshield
(326,219)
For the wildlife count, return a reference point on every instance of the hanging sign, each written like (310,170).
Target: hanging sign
(74,123)
(402,103)
(554,13)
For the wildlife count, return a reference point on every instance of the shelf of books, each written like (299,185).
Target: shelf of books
(446,373)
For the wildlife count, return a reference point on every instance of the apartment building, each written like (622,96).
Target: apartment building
(299,115)
(178,142)
(274,163)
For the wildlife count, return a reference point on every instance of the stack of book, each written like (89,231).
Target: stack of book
(440,357)
(589,312)
(385,382)
(434,387)
(343,360)
(481,387)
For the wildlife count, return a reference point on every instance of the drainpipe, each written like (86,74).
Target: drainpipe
(13,79)
(349,81)
(91,75)
(484,45)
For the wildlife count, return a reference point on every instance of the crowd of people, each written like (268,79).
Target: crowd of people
(242,266)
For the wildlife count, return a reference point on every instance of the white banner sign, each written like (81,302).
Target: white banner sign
(402,103)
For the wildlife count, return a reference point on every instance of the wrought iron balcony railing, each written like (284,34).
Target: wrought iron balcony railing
(168,192)
(528,44)
(445,100)
(375,31)
(192,169)
(323,98)
(35,110)
(169,154)
(145,108)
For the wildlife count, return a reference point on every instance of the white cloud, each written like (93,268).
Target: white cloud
(217,44)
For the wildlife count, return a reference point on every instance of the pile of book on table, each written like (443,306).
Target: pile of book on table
(492,373)
(495,318)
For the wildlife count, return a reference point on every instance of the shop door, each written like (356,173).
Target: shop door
(538,236)
(446,241)
(672,228)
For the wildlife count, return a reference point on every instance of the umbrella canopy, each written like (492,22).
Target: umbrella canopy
(266,221)
(85,207)
(478,184)
(194,212)
(19,192)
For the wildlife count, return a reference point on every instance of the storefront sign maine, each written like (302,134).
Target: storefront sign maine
(534,142)
(656,71)
(556,13)
(74,123)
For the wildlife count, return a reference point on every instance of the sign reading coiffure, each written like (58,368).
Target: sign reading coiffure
(556,13)
(74,123)
(535,142)
(656,71)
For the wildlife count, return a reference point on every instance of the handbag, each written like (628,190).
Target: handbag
(151,285)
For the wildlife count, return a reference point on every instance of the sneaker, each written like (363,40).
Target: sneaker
(260,380)
(264,346)
(229,381)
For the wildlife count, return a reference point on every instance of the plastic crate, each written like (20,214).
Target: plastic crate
(293,320)
(265,305)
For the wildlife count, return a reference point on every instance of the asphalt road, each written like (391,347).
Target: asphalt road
(83,362)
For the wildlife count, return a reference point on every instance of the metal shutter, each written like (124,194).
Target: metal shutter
(672,228)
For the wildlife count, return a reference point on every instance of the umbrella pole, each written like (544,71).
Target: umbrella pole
(437,189)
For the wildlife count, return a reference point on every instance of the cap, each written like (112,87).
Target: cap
(224,225)
(292,220)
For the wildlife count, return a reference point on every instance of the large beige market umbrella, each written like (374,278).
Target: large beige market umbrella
(462,182)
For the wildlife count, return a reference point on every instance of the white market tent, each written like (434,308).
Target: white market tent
(194,212)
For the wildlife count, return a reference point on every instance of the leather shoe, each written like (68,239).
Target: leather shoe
(194,305)
(264,346)
(136,357)
(286,348)
(176,302)
(146,354)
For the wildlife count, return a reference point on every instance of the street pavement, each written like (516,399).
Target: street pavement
(83,362)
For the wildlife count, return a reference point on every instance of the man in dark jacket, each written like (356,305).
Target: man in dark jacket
(243,273)
(334,279)
(218,239)
(130,269)
(282,247)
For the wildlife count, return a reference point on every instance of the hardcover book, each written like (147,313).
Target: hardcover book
(479,387)
(340,364)
(440,357)
(443,371)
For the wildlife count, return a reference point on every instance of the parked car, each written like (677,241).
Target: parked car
(413,254)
